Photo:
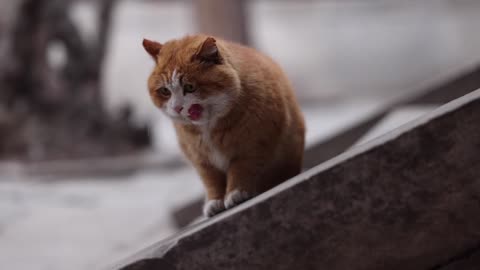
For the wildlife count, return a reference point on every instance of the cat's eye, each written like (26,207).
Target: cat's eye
(163,91)
(188,88)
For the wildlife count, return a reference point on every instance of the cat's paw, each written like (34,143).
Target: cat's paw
(236,197)
(213,207)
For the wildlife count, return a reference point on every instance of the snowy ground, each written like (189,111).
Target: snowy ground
(87,223)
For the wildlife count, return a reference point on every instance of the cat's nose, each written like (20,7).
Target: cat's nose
(178,109)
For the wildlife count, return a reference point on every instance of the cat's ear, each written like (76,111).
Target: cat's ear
(208,52)
(152,47)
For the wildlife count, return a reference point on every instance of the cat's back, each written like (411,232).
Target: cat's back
(264,79)
(250,61)
(269,95)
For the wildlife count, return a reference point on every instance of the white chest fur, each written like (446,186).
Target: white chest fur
(216,158)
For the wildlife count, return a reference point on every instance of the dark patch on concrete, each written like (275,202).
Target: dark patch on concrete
(467,260)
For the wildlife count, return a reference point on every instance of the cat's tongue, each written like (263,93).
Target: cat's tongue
(195,112)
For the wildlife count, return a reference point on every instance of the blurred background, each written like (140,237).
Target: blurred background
(90,171)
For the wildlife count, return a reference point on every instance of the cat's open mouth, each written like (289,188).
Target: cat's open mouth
(195,112)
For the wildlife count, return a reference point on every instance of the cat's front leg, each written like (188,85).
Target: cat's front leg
(242,182)
(214,182)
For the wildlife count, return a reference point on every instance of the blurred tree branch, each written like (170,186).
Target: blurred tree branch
(39,24)
(65,101)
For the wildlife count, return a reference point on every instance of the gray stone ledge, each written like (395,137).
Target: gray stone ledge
(407,200)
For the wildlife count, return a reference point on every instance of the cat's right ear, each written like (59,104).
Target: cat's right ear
(208,52)
(152,47)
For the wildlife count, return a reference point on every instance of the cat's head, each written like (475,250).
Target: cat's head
(192,82)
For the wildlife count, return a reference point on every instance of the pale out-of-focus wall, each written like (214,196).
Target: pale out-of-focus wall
(344,49)
(366,48)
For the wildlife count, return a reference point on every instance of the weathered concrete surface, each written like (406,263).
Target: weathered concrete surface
(437,91)
(408,200)
(394,119)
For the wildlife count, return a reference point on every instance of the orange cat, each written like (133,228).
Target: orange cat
(235,114)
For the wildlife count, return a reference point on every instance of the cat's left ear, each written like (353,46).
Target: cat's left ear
(152,47)
(208,52)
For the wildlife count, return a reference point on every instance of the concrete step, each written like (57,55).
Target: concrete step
(394,119)
(407,200)
(323,146)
